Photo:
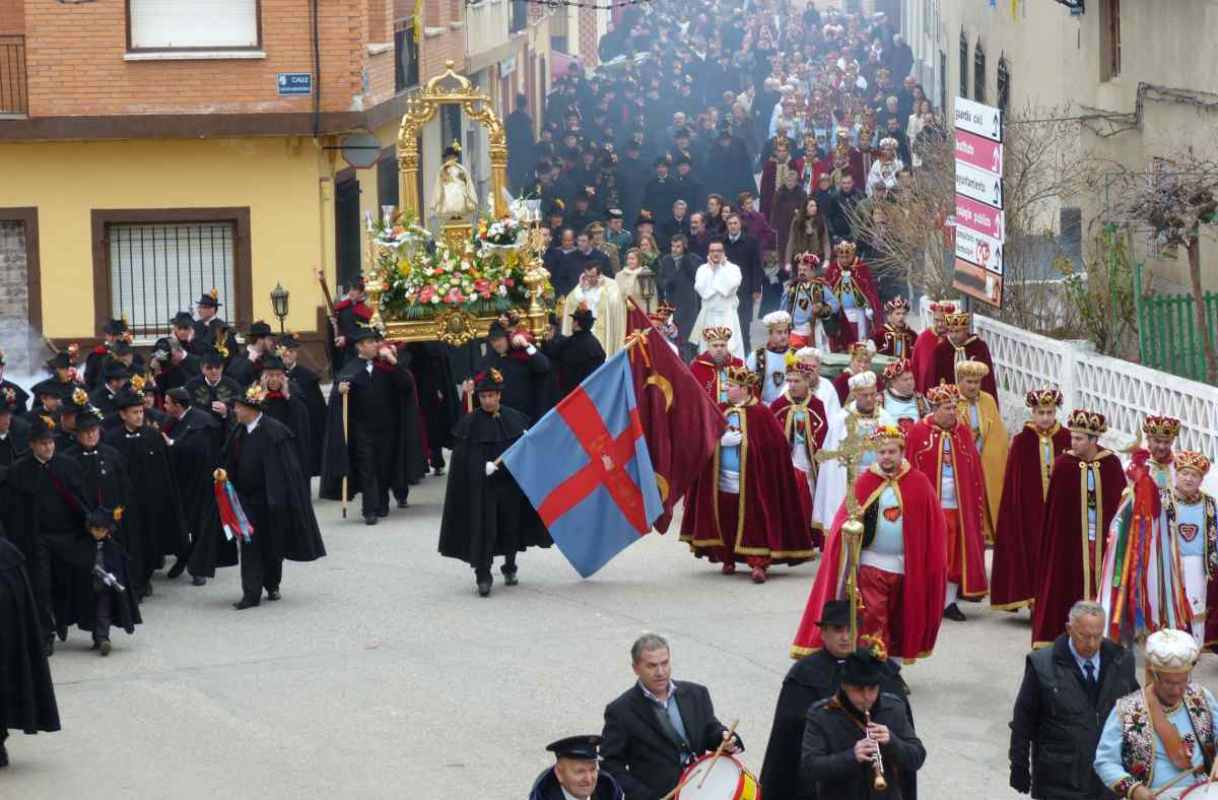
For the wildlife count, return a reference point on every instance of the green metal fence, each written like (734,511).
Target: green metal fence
(1168,338)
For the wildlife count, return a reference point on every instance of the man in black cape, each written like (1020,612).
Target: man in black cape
(284,404)
(113,331)
(195,441)
(113,377)
(100,594)
(309,390)
(103,471)
(261,462)
(176,358)
(50,392)
(46,521)
(154,519)
(381,451)
(246,366)
(525,369)
(27,694)
(433,375)
(213,391)
(576,356)
(211,331)
(14,431)
(485,513)
(813,678)
(20,399)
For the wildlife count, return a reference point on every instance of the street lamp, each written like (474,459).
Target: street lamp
(279,302)
(647,285)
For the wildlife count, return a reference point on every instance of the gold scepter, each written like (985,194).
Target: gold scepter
(346,445)
(850,452)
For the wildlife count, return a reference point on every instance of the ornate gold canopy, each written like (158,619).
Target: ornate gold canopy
(445,89)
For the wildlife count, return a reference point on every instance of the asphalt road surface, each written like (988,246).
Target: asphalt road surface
(381,674)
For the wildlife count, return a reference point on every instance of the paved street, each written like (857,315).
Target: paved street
(382,675)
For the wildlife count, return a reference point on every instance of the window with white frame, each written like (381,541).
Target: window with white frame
(197,25)
(159,269)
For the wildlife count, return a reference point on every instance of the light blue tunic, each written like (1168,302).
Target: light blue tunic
(889,540)
(1190,520)
(729,457)
(947,491)
(1110,768)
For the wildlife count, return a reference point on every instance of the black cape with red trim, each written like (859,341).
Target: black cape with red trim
(486,516)
(27,693)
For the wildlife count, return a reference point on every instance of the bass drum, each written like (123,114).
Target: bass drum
(727,780)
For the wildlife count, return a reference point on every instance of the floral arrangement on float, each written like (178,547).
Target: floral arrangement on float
(420,276)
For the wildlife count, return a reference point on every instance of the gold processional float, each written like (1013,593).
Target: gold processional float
(451,287)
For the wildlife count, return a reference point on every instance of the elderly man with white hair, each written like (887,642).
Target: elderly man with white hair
(823,389)
(1159,741)
(884,169)
(868,415)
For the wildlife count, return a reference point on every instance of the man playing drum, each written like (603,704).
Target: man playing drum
(1149,746)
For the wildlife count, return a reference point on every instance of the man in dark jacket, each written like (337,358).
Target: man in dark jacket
(577,356)
(660,192)
(842,202)
(813,678)
(195,441)
(525,370)
(577,773)
(309,390)
(657,727)
(1067,693)
(844,733)
(745,252)
(676,284)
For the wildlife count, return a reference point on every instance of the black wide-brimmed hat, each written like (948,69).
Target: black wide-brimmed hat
(104,518)
(288,341)
(209,299)
(88,419)
(115,327)
(42,428)
(182,319)
(363,332)
(213,357)
(254,397)
(128,398)
(272,361)
(862,668)
(59,361)
(489,381)
(258,330)
(835,612)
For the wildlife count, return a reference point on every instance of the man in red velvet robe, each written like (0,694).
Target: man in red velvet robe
(744,506)
(856,290)
(1021,514)
(861,355)
(902,566)
(895,338)
(711,367)
(924,347)
(803,419)
(961,345)
(944,450)
(1084,492)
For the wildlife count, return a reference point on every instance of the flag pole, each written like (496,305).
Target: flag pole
(346,445)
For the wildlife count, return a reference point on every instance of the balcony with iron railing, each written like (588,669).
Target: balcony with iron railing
(14,87)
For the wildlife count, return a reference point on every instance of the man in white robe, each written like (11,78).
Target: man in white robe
(716,282)
(822,388)
(831,483)
(604,300)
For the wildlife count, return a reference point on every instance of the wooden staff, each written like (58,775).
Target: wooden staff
(715,758)
(345,444)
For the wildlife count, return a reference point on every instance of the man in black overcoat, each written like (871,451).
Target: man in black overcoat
(246,366)
(103,472)
(260,460)
(195,442)
(154,518)
(46,519)
(577,356)
(745,252)
(485,513)
(382,451)
(524,367)
(284,404)
(211,331)
(840,741)
(813,678)
(27,693)
(309,390)
(676,284)
(657,727)
(113,376)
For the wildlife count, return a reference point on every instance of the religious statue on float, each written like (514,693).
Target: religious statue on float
(454,193)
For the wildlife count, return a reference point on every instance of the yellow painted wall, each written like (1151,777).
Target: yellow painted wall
(279,179)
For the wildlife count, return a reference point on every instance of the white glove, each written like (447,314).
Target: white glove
(491,468)
(870,313)
(731,438)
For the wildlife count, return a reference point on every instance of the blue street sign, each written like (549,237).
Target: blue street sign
(294,83)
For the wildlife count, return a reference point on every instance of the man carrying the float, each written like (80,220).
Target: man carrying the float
(979,411)
(1025,489)
(1163,735)
(710,368)
(961,345)
(769,363)
(814,308)
(895,338)
(745,505)
(901,567)
(942,448)
(869,416)
(1085,489)
(1161,433)
(803,420)
(900,398)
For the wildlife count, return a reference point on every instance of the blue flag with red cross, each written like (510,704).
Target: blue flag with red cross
(585,467)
